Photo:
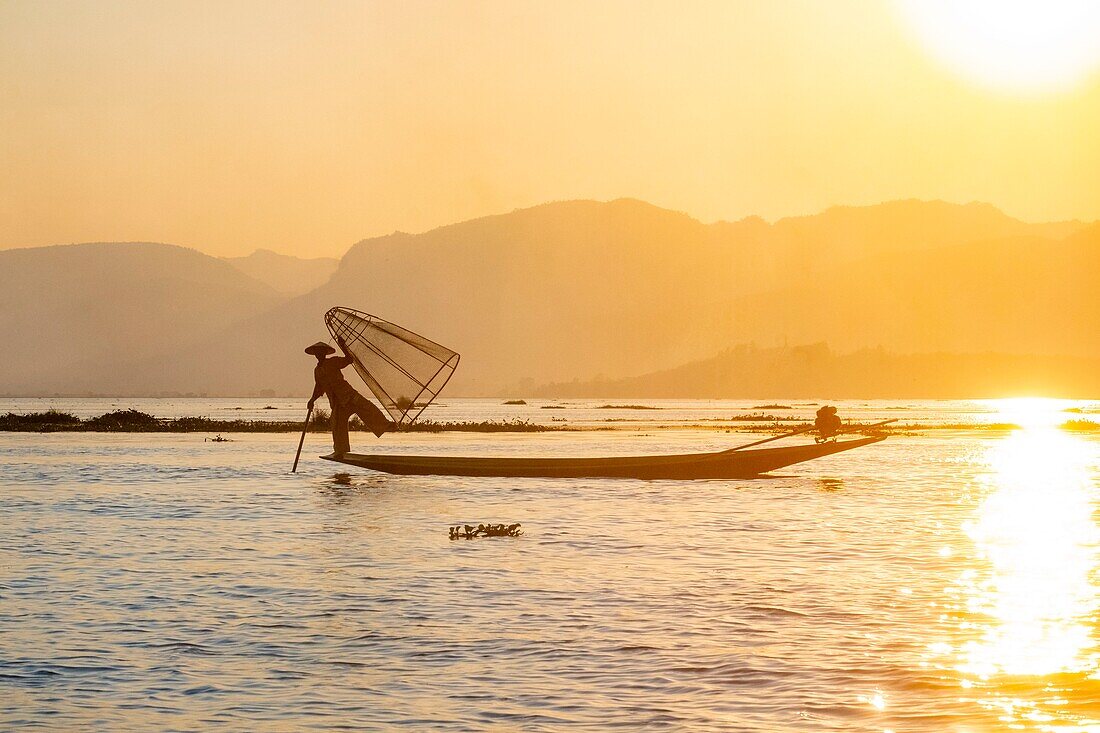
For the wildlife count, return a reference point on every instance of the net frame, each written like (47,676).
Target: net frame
(341,327)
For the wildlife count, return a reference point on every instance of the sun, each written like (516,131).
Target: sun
(1030,412)
(1025,46)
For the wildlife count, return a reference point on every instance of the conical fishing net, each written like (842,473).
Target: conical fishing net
(404,370)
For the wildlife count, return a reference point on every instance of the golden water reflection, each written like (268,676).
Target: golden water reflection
(1029,601)
(1037,533)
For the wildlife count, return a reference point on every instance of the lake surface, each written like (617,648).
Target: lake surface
(941,581)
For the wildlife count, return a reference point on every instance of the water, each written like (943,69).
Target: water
(945,581)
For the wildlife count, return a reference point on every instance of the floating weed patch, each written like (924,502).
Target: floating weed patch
(469,532)
(134,421)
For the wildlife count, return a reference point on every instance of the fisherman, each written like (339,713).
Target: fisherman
(827,423)
(342,397)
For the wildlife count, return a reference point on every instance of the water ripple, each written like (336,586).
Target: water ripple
(181,585)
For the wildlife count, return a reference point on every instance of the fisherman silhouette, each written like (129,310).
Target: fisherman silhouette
(827,423)
(342,397)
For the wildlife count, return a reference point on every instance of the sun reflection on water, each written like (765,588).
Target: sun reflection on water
(1028,603)
(1038,536)
(1030,413)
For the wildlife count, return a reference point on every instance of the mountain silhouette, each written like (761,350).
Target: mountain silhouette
(73,314)
(285,274)
(814,371)
(575,289)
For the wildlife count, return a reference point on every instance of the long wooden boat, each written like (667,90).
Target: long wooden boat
(723,464)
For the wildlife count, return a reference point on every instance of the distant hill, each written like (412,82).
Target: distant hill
(575,289)
(70,315)
(814,371)
(579,288)
(855,232)
(1015,295)
(283,273)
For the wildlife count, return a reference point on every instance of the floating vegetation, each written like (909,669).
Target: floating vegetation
(134,421)
(761,417)
(515,402)
(551,407)
(469,532)
(41,421)
(319,419)
(992,426)
(515,425)
(123,420)
(773,407)
(404,403)
(627,407)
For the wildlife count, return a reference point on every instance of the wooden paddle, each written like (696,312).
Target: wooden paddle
(768,440)
(804,430)
(302,440)
(858,428)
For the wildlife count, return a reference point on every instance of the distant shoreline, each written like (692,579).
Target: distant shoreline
(135,421)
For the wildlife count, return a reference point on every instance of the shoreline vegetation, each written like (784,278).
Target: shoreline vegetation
(135,421)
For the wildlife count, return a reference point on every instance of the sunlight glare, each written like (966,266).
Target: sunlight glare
(1015,45)
(1030,412)
(1037,534)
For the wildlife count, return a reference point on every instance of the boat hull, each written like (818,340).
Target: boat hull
(720,465)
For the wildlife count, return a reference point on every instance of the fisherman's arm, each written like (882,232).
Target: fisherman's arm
(318,390)
(346,359)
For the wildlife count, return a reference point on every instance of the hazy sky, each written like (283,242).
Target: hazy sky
(304,127)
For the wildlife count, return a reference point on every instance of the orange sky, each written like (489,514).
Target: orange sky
(304,127)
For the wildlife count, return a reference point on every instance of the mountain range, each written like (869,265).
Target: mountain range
(815,371)
(562,292)
(285,274)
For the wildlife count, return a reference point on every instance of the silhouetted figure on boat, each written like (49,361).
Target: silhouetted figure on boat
(342,397)
(827,423)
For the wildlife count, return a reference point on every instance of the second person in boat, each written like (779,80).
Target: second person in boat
(828,424)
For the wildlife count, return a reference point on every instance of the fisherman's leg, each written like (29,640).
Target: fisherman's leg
(372,417)
(340,442)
